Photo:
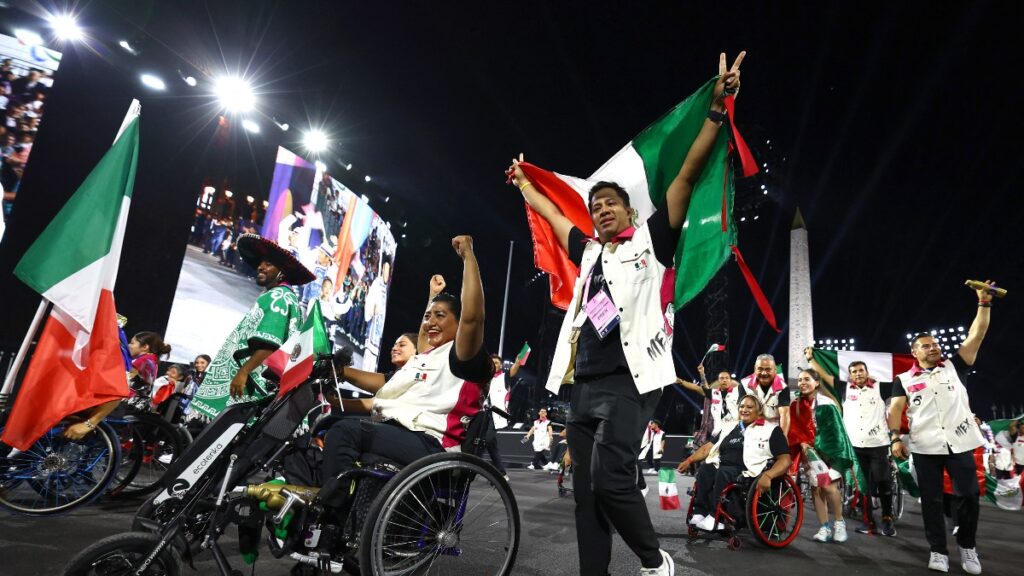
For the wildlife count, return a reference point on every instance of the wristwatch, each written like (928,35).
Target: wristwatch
(717,116)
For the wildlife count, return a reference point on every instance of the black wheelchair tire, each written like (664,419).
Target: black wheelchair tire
(136,545)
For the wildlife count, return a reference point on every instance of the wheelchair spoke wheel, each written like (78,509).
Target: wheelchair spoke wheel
(121,555)
(897,495)
(56,474)
(444,514)
(157,444)
(776,516)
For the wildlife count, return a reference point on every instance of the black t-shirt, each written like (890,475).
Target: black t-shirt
(594,356)
(731,449)
(884,390)
(958,364)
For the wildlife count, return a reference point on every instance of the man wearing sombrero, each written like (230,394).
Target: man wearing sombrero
(268,324)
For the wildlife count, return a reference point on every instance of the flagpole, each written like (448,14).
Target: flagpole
(23,350)
(504,307)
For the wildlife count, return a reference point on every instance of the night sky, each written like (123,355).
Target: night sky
(894,127)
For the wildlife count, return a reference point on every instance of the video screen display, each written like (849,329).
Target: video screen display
(26,77)
(332,230)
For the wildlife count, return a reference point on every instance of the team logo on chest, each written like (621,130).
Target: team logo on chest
(640,264)
(420,377)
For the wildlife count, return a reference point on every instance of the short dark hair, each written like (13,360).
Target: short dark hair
(614,186)
(918,336)
(451,301)
(857,363)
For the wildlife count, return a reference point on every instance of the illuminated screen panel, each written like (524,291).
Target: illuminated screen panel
(26,77)
(331,229)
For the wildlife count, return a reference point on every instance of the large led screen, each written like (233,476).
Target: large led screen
(26,77)
(330,228)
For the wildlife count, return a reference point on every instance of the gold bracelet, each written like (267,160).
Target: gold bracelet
(523,187)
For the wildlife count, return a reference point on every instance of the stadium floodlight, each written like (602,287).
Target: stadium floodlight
(367,177)
(209,190)
(265,204)
(228,193)
(348,166)
(250,199)
(251,126)
(153,82)
(191,81)
(315,141)
(66,28)
(28,37)
(234,94)
(128,47)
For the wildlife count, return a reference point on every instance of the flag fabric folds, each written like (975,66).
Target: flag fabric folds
(524,354)
(882,366)
(668,492)
(833,444)
(77,362)
(293,362)
(645,167)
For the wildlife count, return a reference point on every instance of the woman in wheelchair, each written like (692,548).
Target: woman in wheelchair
(420,410)
(741,451)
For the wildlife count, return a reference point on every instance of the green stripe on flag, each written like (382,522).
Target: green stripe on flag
(82,232)
(703,246)
(667,476)
(829,360)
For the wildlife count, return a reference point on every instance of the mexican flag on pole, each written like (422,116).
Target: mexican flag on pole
(882,366)
(645,167)
(293,361)
(524,353)
(667,490)
(77,362)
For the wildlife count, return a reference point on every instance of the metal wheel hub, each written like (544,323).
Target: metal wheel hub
(53,463)
(447,538)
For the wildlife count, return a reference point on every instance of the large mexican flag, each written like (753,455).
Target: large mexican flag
(77,362)
(645,167)
(882,366)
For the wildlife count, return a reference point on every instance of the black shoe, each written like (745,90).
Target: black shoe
(867,529)
(888,529)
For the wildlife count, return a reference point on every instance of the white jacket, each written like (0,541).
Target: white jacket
(939,411)
(634,277)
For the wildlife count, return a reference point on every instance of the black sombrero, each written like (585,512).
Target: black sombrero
(254,249)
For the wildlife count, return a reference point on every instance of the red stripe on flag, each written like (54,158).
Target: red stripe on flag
(54,387)
(298,374)
(901,363)
(755,289)
(747,162)
(548,254)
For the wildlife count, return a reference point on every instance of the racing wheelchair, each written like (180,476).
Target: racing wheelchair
(774,518)
(445,513)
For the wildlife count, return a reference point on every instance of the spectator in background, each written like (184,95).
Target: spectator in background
(542,435)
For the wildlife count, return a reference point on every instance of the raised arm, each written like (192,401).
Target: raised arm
(677,198)
(969,349)
(539,202)
(436,286)
(691,386)
(470,337)
(825,376)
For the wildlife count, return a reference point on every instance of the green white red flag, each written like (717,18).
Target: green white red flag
(293,361)
(645,167)
(77,363)
(524,353)
(668,492)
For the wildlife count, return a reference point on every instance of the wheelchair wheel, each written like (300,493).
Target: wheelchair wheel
(776,516)
(691,530)
(131,455)
(121,554)
(450,513)
(897,494)
(56,474)
(156,443)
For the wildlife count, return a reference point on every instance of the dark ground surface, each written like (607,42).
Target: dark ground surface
(42,546)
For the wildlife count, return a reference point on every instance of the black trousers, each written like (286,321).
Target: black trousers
(710,483)
(607,417)
(344,444)
(962,472)
(539,460)
(875,464)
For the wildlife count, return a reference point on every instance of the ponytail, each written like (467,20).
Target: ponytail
(154,341)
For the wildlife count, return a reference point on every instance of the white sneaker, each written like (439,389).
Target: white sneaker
(839,531)
(939,562)
(667,568)
(650,471)
(708,524)
(530,467)
(697,519)
(551,466)
(824,533)
(969,560)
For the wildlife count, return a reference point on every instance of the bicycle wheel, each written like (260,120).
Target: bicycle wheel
(56,474)
(776,516)
(160,444)
(121,554)
(443,514)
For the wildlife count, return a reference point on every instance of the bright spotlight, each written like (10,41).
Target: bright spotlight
(128,47)
(235,94)
(320,166)
(28,37)
(191,81)
(349,166)
(65,26)
(265,204)
(228,193)
(315,141)
(251,126)
(154,82)
(367,178)
(249,199)
(209,190)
